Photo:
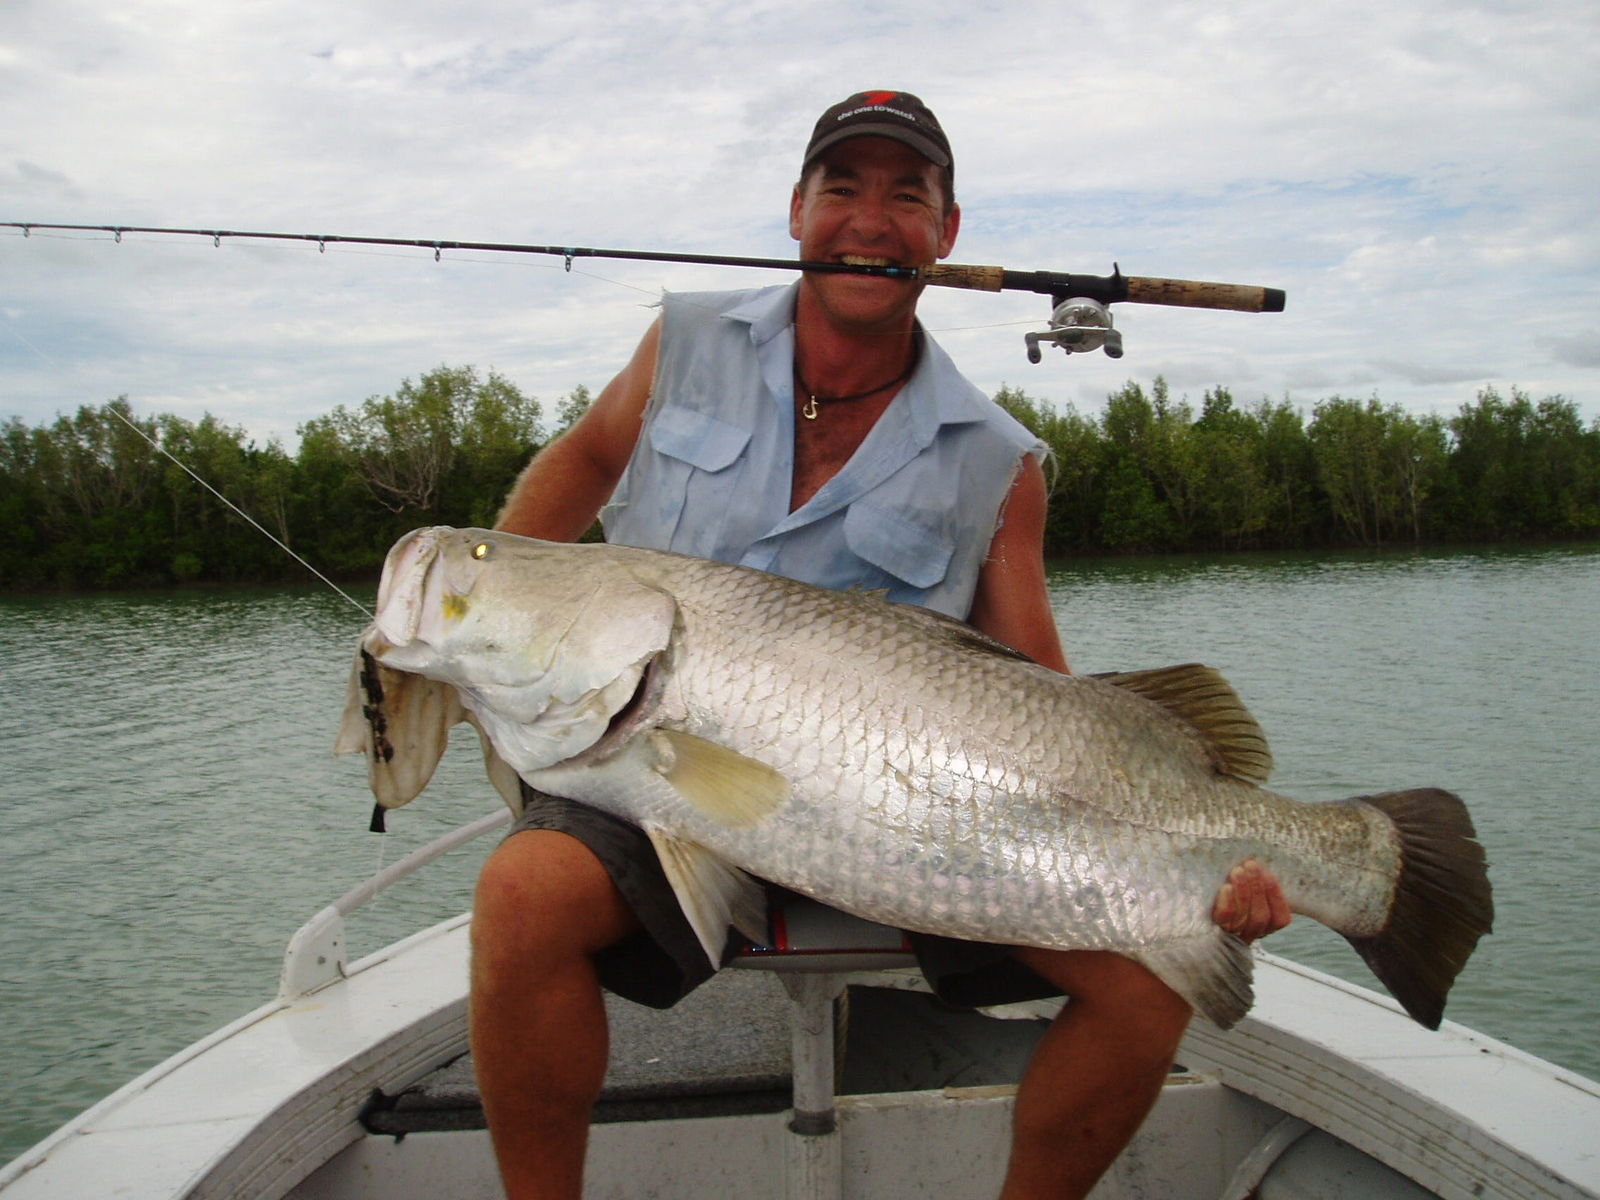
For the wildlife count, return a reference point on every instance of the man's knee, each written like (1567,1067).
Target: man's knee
(1117,990)
(544,893)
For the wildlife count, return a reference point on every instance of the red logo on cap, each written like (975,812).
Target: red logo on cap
(880,97)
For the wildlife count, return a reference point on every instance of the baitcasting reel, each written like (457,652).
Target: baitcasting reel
(1078,325)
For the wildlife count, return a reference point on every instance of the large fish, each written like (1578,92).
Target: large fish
(892,763)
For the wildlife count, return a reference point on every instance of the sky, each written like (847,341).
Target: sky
(1419,176)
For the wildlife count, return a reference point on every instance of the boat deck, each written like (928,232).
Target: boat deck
(1320,1080)
(724,1051)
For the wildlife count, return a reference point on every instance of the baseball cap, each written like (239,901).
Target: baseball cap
(897,115)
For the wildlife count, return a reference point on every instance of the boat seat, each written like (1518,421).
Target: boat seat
(804,935)
(815,982)
(816,947)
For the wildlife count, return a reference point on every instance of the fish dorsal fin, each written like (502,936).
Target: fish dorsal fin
(1203,699)
(721,785)
(714,894)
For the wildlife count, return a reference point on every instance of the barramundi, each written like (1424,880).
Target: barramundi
(891,762)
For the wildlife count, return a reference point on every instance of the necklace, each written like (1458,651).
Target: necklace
(809,412)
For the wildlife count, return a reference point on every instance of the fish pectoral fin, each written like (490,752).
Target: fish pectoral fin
(1200,697)
(1213,972)
(714,894)
(721,785)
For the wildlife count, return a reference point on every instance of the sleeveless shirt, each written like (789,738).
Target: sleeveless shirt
(912,512)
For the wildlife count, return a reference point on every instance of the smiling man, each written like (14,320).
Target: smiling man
(814,431)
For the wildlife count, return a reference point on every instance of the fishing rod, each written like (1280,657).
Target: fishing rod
(1081,319)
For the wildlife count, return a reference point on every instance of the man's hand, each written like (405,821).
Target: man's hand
(1251,904)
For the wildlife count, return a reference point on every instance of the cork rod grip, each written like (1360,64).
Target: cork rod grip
(1190,293)
(955,275)
(1108,289)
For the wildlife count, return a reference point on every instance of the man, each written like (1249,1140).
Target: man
(813,431)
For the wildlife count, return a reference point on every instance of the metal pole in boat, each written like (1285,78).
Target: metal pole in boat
(814,1157)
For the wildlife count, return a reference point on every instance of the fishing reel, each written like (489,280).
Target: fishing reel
(1078,325)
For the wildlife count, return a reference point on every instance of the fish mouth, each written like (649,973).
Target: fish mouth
(407,570)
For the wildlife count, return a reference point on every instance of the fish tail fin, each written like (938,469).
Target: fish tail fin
(1442,903)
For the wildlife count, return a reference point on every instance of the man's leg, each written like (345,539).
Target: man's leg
(537,1021)
(1096,1073)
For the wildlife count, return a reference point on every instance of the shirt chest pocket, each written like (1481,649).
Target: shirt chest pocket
(698,468)
(697,439)
(907,545)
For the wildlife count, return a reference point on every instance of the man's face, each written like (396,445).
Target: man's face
(871,200)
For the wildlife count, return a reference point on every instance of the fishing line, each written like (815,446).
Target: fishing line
(257,524)
(159,448)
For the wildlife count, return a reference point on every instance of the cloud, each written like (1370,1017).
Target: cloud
(1576,350)
(1418,178)
(1429,373)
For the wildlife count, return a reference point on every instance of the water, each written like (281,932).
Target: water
(170,811)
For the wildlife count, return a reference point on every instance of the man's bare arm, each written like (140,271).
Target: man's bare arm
(1011,603)
(560,493)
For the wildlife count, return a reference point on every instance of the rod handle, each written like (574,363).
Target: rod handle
(1191,293)
(957,275)
(1108,289)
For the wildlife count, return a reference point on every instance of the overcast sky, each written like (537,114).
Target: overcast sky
(1419,176)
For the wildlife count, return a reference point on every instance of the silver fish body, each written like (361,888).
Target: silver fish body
(892,763)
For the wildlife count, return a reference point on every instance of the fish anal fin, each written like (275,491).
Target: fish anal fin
(1200,697)
(714,894)
(1213,972)
(721,785)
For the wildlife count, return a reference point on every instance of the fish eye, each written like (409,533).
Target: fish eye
(481,550)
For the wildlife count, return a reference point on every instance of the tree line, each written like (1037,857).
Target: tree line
(1151,474)
(88,501)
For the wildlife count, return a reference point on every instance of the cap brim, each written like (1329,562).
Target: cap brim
(922,145)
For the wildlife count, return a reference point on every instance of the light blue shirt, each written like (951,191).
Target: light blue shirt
(912,512)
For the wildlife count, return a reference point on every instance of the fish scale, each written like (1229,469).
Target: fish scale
(894,763)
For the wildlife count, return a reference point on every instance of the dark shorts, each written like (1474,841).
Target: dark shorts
(663,962)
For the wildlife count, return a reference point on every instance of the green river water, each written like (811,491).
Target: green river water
(170,811)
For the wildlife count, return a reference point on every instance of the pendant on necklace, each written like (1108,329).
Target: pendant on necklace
(809,412)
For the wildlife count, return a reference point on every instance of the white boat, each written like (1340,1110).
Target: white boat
(352,1083)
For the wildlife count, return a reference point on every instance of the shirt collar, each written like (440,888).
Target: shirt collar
(770,312)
